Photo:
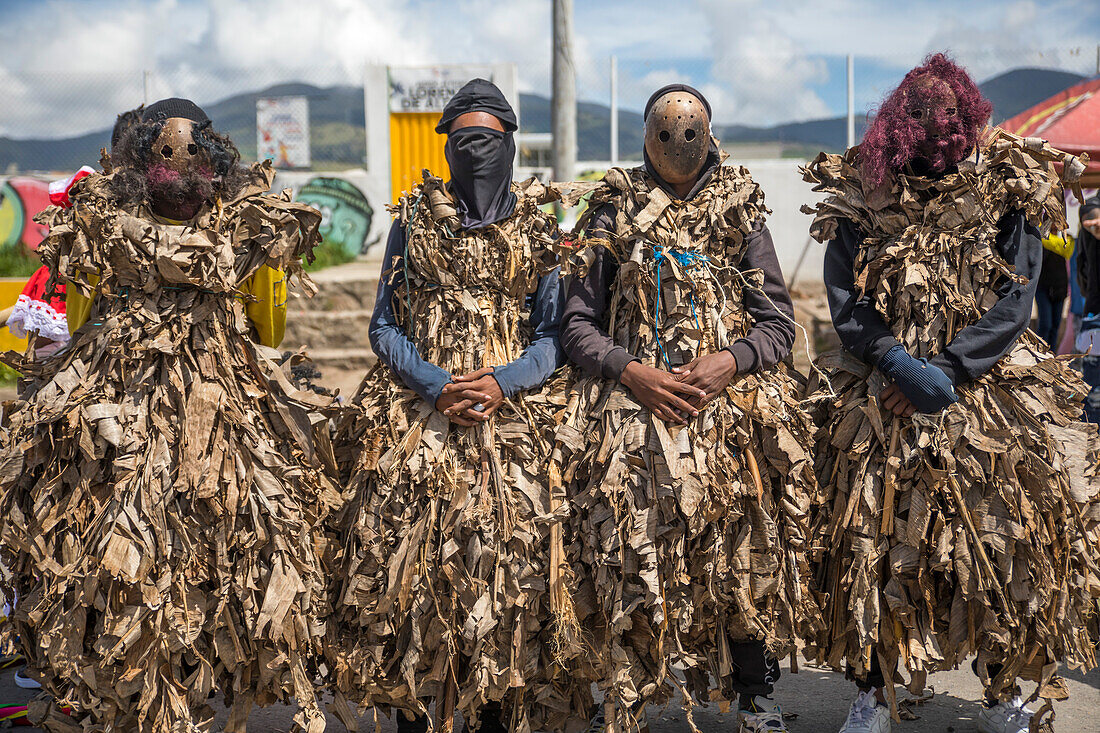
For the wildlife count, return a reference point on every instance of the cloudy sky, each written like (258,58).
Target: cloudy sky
(69,67)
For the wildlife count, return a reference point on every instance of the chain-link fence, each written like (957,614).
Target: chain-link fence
(768,104)
(785,104)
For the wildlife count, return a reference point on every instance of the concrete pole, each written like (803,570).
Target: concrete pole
(851,101)
(614,112)
(145,86)
(564,101)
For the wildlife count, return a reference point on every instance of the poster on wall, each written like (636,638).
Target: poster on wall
(282,131)
(429,88)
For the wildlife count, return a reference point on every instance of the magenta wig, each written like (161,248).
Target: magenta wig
(894,138)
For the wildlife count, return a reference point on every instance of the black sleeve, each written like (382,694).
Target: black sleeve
(861,329)
(977,348)
(770,339)
(583,331)
(1088,259)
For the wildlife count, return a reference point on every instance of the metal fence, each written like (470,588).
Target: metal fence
(768,104)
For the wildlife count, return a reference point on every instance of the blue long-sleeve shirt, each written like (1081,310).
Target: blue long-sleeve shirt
(392,345)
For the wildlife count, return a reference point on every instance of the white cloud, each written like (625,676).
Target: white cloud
(762,74)
(1054,35)
(69,67)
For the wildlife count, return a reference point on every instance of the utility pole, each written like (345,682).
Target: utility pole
(851,101)
(564,101)
(145,76)
(614,112)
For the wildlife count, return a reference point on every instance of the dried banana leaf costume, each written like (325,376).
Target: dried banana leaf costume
(444,595)
(974,530)
(159,478)
(688,541)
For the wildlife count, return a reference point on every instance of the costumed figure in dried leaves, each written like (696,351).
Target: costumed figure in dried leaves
(160,477)
(444,591)
(962,510)
(685,444)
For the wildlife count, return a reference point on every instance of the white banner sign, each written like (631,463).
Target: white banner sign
(282,131)
(429,88)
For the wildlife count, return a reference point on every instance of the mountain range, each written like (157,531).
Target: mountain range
(338,141)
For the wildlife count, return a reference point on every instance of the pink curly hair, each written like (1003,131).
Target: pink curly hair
(894,138)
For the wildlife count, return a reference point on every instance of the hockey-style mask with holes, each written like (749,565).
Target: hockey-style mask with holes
(176,148)
(677,137)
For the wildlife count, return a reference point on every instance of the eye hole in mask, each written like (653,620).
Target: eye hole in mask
(916,114)
(192,149)
(166,151)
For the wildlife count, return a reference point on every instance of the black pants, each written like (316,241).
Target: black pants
(876,679)
(755,671)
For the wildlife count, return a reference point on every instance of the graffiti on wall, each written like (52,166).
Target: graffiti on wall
(346,214)
(20,200)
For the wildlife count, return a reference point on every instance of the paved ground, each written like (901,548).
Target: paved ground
(816,701)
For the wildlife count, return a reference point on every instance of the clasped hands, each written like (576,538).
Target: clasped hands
(470,398)
(672,396)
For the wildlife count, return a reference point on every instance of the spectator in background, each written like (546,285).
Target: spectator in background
(1068,344)
(1050,298)
(1088,276)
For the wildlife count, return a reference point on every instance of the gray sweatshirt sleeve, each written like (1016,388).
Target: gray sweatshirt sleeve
(544,354)
(772,335)
(388,338)
(584,320)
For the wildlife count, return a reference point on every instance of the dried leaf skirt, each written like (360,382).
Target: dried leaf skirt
(685,539)
(156,507)
(447,549)
(974,531)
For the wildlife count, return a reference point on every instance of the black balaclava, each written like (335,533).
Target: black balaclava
(480,158)
(713,158)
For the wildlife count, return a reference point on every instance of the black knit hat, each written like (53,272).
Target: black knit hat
(478,95)
(668,88)
(174,107)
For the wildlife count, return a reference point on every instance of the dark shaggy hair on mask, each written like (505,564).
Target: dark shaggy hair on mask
(133,156)
(894,139)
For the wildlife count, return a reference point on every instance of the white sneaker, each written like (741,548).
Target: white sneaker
(867,716)
(22,680)
(759,720)
(1005,717)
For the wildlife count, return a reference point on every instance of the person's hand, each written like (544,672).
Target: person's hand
(1093,225)
(925,385)
(659,391)
(711,373)
(479,395)
(894,400)
(446,404)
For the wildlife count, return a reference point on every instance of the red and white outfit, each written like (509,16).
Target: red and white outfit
(34,313)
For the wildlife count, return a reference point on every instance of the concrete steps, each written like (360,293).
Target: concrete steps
(332,325)
(321,330)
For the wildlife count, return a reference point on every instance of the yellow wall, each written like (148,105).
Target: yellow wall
(415,145)
(10,288)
